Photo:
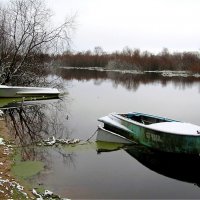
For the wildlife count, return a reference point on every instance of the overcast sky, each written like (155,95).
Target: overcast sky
(145,24)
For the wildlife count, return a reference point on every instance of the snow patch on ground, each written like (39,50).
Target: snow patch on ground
(165,73)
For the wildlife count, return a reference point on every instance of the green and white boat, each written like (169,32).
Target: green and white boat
(158,133)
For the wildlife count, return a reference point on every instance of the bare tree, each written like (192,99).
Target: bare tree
(98,50)
(26,35)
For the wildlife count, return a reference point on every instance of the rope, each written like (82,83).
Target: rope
(91,136)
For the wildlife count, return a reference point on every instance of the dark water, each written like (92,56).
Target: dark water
(98,170)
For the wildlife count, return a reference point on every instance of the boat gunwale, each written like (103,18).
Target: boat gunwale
(117,115)
(122,127)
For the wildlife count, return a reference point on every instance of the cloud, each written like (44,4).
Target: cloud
(146,24)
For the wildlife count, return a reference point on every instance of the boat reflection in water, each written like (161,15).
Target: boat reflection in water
(181,167)
(108,146)
(10,103)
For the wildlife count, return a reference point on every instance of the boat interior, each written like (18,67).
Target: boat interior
(145,119)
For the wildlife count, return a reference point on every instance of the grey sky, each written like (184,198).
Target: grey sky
(146,24)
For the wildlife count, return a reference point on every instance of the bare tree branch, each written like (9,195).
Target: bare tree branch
(26,32)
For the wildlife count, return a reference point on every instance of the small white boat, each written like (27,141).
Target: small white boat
(15,91)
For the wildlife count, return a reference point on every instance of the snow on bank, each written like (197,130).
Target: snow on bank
(2,141)
(105,70)
(165,73)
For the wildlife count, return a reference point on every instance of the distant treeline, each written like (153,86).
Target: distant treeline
(129,59)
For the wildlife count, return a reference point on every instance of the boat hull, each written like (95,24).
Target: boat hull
(15,92)
(158,140)
(108,136)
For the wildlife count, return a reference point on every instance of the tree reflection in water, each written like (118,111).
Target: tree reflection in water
(31,124)
(27,124)
(130,81)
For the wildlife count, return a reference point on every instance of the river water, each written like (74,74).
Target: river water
(98,170)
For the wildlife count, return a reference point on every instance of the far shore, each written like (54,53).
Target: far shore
(165,73)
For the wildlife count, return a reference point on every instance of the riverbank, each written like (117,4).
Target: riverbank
(10,188)
(164,73)
(13,184)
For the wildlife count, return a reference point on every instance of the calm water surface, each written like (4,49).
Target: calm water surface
(90,170)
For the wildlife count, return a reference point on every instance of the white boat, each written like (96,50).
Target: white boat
(15,92)
(104,135)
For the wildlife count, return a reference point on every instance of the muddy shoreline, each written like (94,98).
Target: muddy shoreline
(10,186)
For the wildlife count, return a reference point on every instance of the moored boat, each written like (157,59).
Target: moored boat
(108,136)
(159,133)
(15,91)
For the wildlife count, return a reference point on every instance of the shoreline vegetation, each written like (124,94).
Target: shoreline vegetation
(129,59)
